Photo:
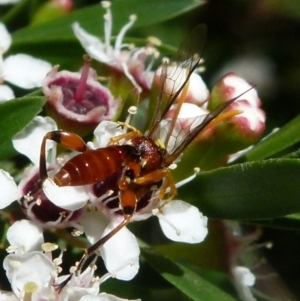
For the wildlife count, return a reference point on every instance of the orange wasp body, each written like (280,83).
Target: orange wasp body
(141,161)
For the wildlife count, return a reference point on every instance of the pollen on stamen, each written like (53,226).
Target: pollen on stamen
(54,274)
(49,247)
(59,270)
(10,249)
(57,261)
(30,287)
(113,274)
(173,166)
(15,263)
(188,179)
(76,233)
(105,4)
(38,202)
(155,211)
(132,110)
(154,40)
(73,268)
(106,17)
(133,17)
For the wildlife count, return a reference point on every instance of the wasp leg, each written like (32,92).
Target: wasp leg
(68,140)
(127,136)
(126,125)
(93,248)
(157,175)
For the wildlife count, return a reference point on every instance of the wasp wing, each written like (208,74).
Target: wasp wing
(184,64)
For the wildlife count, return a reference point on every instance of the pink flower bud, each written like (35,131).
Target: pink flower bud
(77,101)
(241,130)
(230,86)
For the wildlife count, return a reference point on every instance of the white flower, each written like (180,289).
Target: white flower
(24,236)
(34,275)
(130,61)
(30,273)
(20,69)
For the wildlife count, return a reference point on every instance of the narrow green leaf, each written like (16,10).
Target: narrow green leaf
(14,115)
(286,136)
(255,190)
(290,222)
(91,18)
(185,279)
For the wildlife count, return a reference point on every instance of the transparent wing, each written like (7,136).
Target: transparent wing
(175,75)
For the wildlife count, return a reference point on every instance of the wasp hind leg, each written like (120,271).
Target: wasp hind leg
(90,251)
(68,140)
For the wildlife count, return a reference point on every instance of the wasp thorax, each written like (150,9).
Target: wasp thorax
(150,153)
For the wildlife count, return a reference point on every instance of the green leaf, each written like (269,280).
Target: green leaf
(255,190)
(66,50)
(14,116)
(285,8)
(290,222)
(91,18)
(285,137)
(184,278)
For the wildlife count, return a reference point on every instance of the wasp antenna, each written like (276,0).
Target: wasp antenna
(201,127)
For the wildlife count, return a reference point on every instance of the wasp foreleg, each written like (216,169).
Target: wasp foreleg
(126,136)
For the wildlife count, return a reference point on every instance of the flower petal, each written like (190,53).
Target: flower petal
(182,222)
(105,131)
(6,93)
(5,39)
(67,197)
(24,236)
(94,224)
(25,71)
(123,265)
(92,45)
(28,141)
(8,189)
(33,267)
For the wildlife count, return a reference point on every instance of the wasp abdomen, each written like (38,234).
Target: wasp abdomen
(93,166)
